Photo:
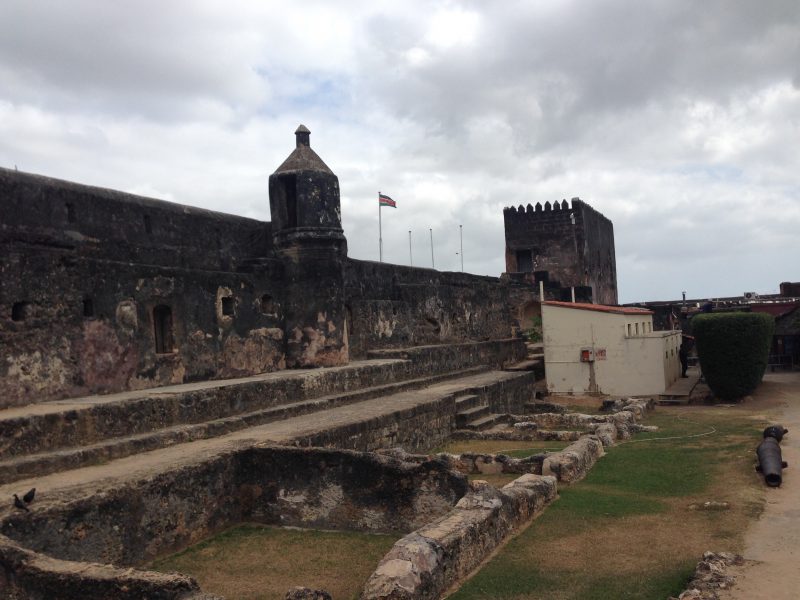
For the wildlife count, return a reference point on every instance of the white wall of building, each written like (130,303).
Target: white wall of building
(630,359)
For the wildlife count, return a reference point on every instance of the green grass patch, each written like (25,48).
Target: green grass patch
(625,531)
(250,561)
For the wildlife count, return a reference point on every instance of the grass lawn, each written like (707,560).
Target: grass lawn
(259,562)
(627,531)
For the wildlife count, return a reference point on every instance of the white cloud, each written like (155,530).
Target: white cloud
(677,120)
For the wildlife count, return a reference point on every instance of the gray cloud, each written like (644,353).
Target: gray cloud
(675,119)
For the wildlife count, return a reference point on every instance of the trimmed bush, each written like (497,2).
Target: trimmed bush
(733,349)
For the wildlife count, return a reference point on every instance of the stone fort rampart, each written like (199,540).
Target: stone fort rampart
(105,291)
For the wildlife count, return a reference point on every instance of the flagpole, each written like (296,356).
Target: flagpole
(380,229)
(410,258)
(461,240)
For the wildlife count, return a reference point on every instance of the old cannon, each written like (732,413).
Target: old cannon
(770,462)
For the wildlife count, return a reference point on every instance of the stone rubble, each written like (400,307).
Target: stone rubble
(304,593)
(710,575)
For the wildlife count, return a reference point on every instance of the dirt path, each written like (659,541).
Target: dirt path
(772,544)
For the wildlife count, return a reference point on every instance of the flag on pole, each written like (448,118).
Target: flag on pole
(384,200)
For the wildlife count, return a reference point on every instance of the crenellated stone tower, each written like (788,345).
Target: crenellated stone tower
(308,238)
(563,246)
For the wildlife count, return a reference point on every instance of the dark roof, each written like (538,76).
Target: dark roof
(303,158)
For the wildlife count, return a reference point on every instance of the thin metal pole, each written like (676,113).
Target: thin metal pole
(433,266)
(461,241)
(410,258)
(380,229)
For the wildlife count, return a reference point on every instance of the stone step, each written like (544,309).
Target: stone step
(535,346)
(418,420)
(466,416)
(466,401)
(484,422)
(524,365)
(63,425)
(70,458)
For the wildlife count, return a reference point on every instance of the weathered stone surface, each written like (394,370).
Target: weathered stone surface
(426,562)
(304,593)
(514,434)
(325,488)
(563,247)
(573,462)
(105,292)
(710,576)
(27,575)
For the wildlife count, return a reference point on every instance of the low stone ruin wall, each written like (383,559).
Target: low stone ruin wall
(322,488)
(27,575)
(425,563)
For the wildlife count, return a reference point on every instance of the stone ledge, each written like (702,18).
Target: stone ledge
(27,575)
(428,561)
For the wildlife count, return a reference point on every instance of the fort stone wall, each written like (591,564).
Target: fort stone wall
(393,306)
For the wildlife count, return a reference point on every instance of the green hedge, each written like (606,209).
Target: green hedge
(733,349)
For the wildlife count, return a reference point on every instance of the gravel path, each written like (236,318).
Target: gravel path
(772,544)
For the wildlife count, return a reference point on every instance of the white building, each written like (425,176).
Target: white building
(592,348)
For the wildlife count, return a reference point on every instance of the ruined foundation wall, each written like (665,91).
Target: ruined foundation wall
(321,488)
(392,306)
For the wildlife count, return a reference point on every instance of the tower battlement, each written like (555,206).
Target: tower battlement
(568,242)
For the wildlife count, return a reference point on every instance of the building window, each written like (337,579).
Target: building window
(162,329)
(629,330)
(267,305)
(148,225)
(228,307)
(88,307)
(637,328)
(20,311)
(71,217)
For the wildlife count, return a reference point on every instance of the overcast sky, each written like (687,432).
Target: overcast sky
(678,120)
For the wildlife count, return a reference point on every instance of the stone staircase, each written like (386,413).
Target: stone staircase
(474,413)
(67,434)
(534,361)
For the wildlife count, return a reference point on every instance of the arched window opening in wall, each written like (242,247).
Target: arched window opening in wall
(20,311)
(228,306)
(88,307)
(267,305)
(348,316)
(162,329)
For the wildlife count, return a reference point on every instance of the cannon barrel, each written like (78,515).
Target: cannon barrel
(770,461)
